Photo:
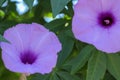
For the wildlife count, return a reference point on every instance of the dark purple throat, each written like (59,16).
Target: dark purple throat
(28,57)
(106,19)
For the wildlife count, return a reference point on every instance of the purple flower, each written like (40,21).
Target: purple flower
(97,22)
(32,49)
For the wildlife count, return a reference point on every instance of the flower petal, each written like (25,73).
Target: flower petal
(86,26)
(46,63)
(84,29)
(30,37)
(108,41)
(108,5)
(82,6)
(12,62)
(45,44)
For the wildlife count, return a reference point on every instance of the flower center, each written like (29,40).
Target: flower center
(28,57)
(106,20)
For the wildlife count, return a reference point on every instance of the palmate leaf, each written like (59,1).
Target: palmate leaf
(108,76)
(39,77)
(67,76)
(113,65)
(67,47)
(96,66)
(58,5)
(54,77)
(78,62)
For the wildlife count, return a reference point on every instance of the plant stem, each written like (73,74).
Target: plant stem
(23,77)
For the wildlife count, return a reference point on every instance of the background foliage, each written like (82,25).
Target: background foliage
(77,60)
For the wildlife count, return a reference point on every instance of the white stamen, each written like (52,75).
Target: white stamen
(107,21)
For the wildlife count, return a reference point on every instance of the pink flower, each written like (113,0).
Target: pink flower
(97,22)
(32,49)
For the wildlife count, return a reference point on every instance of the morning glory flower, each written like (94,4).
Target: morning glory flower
(32,49)
(97,22)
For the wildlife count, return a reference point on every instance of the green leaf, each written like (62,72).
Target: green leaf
(54,77)
(113,65)
(58,5)
(96,66)
(29,3)
(78,62)
(67,47)
(38,77)
(6,24)
(69,11)
(108,76)
(2,39)
(58,23)
(67,76)
(69,33)
(1,2)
